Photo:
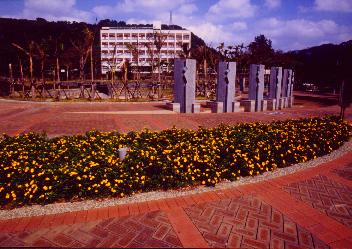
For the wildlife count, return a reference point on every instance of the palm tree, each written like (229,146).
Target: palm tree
(30,53)
(83,44)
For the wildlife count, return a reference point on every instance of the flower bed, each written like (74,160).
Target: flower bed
(37,170)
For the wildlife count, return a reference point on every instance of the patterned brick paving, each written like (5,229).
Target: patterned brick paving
(247,222)
(345,172)
(151,229)
(328,196)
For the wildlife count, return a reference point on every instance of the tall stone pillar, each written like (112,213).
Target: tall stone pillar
(275,84)
(286,86)
(225,91)
(290,94)
(286,83)
(185,85)
(256,85)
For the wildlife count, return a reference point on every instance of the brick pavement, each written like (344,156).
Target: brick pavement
(151,229)
(73,118)
(247,222)
(345,172)
(328,196)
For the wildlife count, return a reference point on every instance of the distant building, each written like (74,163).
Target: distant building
(113,41)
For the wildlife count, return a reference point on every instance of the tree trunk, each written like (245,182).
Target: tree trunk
(67,72)
(10,72)
(81,68)
(159,68)
(91,63)
(42,70)
(31,68)
(57,69)
(21,71)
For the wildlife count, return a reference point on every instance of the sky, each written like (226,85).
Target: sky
(290,24)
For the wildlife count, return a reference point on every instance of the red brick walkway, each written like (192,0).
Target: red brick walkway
(308,209)
(72,118)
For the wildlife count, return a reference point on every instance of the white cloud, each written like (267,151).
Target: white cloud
(272,4)
(212,33)
(54,10)
(333,5)
(187,9)
(145,7)
(239,26)
(300,33)
(231,9)
(298,28)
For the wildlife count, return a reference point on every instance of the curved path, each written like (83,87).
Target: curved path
(308,209)
(66,118)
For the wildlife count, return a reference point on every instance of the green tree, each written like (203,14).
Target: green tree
(261,50)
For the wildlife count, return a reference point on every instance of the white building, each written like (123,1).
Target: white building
(113,42)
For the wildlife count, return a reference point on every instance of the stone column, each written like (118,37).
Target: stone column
(290,96)
(275,84)
(185,85)
(225,90)
(286,86)
(256,85)
(286,82)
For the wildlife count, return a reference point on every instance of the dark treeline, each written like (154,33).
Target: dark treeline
(325,66)
(68,42)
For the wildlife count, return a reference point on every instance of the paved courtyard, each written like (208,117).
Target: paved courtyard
(64,118)
(308,209)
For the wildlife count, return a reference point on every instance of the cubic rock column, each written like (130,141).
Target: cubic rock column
(256,85)
(185,85)
(286,86)
(290,95)
(275,85)
(225,91)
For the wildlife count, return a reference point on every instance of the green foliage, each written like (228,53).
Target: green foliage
(37,170)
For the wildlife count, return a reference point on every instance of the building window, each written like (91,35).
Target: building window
(186,37)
